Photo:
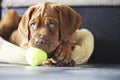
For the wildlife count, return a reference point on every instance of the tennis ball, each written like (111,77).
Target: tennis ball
(35,56)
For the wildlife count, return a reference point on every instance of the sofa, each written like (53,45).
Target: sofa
(101,17)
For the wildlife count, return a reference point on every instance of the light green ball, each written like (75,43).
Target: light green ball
(35,56)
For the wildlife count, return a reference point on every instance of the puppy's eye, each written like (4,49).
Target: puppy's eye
(33,25)
(52,25)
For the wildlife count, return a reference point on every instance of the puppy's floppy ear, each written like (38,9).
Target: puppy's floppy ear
(69,21)
(24,23)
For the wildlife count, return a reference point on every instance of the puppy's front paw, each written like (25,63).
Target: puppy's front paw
(50,62)
(62,64)
(63,55)
(53,62)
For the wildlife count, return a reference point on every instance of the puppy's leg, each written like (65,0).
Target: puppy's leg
(9,23)
(62,56)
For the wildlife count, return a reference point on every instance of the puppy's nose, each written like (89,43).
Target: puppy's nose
(40,41)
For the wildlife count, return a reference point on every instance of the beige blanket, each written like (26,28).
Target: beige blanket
(84,46)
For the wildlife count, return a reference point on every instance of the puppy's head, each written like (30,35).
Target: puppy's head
(47,24)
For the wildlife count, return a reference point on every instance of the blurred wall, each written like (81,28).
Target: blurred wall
(104,23)
(0,8)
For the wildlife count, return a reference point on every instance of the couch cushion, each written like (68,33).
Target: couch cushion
(17,3)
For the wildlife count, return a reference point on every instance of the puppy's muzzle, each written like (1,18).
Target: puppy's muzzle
(40,41)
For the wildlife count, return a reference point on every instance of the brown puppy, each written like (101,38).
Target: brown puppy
(51,27)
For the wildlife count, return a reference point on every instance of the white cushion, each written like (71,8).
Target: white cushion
(16,3)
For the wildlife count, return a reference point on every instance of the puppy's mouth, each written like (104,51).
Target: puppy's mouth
(45,44)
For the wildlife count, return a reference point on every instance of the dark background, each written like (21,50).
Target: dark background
(104,23)
(0,8)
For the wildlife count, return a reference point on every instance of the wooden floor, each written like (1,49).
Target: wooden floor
(83,72)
